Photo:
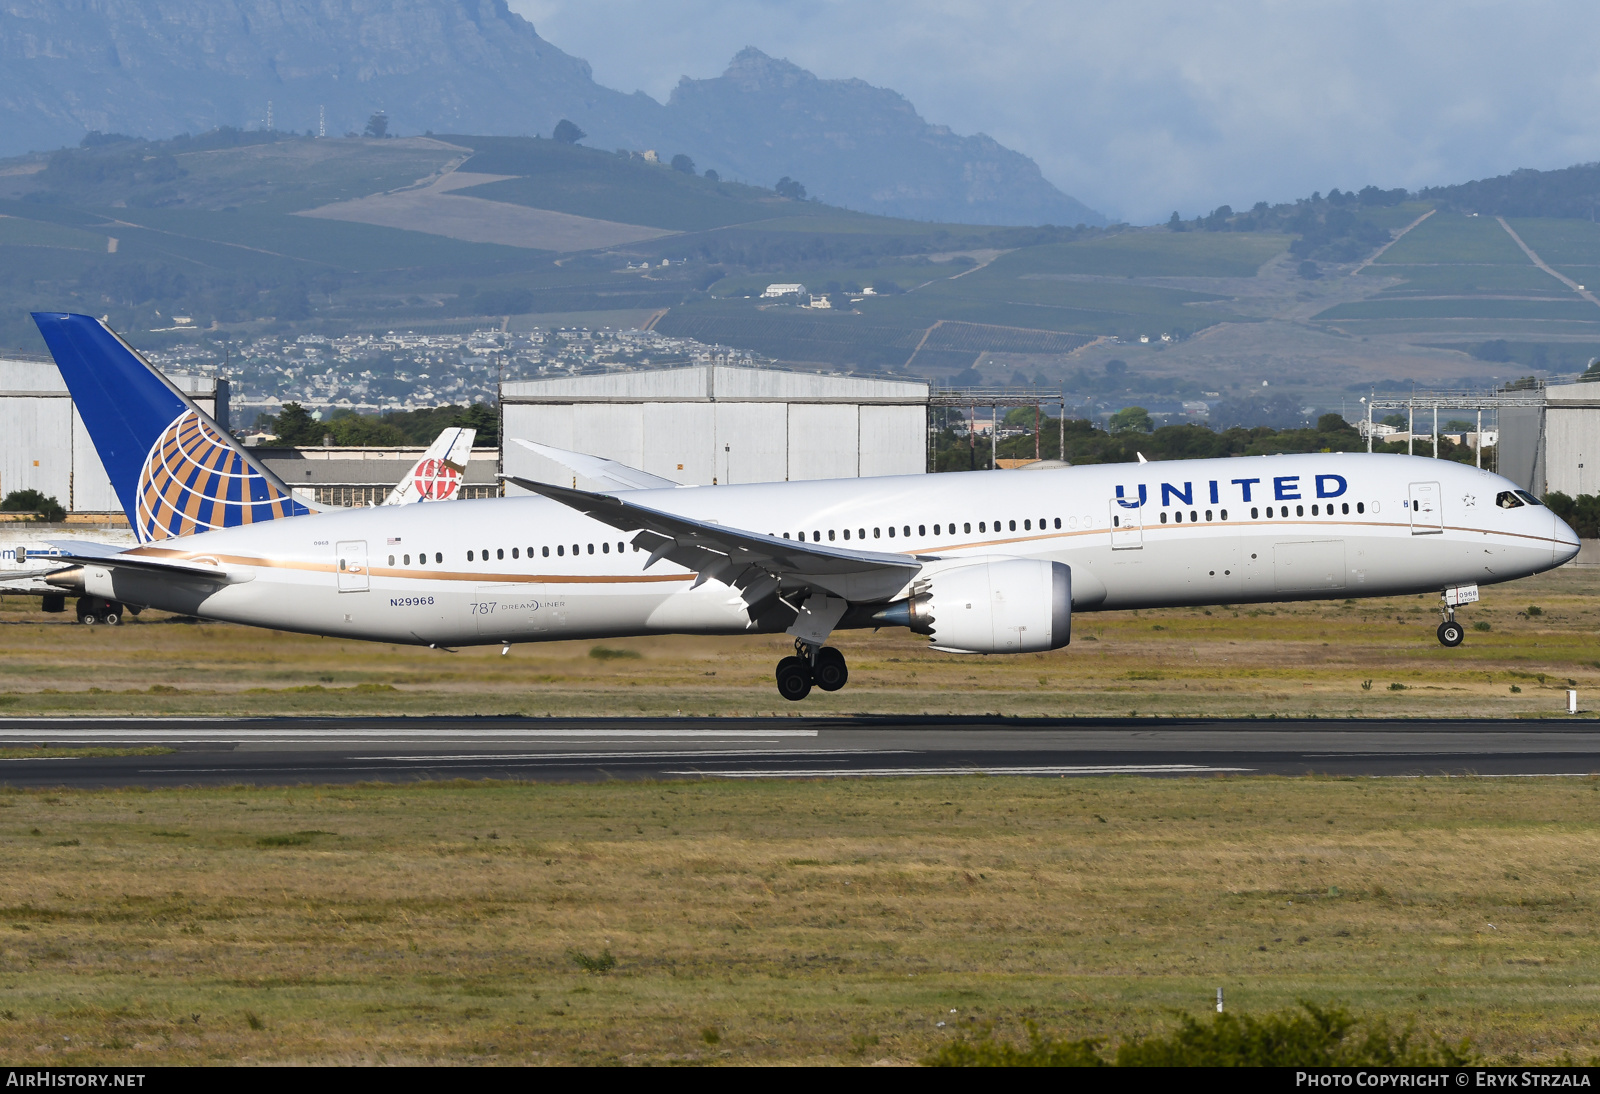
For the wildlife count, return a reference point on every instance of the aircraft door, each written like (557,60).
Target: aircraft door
(1427,514)
(1127,526)
(352,562)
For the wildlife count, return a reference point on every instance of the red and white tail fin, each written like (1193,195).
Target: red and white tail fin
(437,476)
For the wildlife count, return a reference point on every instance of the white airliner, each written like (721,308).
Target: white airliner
(993,562)
(29,555)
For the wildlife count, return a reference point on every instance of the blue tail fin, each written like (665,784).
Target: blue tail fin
(175,470)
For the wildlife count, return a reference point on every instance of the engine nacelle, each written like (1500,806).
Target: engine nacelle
(1014,605)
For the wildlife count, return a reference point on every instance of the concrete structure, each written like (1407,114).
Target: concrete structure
(784,290)
(1554,444)
(356,476)
(719,424)
(44,446)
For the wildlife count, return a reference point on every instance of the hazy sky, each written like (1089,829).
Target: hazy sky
(1139,108)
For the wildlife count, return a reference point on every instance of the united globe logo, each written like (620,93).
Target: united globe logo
(194,480)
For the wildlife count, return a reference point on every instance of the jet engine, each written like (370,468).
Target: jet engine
(1012,605)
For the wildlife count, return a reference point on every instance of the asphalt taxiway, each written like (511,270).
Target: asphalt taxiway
(289,751)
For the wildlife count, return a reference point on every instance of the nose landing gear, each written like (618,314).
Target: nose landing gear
(821,666)
(1450,632)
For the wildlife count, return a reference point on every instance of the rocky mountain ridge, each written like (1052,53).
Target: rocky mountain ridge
(154,68)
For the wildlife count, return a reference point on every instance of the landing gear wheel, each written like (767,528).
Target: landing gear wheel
(1451,633)
(794,679)
(830,672)
(111,613)
(88,610)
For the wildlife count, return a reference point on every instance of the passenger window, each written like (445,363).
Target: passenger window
(1116,521)
(907,529)
(1208,514)
(391,560)
(861,533)
(499,552)
(561,549)
(876,532)
(967,528)
(1345,509)
(983,526)
(1058,522)
(514,553)
(846,534)
(1164,516)
(1193,516)
(786,535)
(408,560)
(1255,514)
(891,532)
(935,529)
(1013,526)
(1027,526)
(545,551)
(1361,507)
(922,529)
(816,536)
(605,548)
(1299,511)
(1178,515)
(591,548)
(422,560)
(1224,515)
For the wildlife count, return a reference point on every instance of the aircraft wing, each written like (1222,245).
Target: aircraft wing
(759,566)
(437,475)
(608,473)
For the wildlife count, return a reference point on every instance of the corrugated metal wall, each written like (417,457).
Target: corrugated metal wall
(44,445)
(724,425)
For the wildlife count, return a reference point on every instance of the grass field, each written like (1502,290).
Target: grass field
(1453,238)
(810,922)
(1156,253)
(1561,242)
(1479,278)
(1469,307)
(16,232)
(1263,661)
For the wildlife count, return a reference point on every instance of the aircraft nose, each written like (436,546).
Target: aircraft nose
(1566,542)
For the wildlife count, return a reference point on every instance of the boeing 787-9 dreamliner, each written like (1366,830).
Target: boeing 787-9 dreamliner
(982,563)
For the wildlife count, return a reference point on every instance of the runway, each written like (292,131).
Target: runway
(289,751)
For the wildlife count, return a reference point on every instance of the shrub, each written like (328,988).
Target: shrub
(597,965)
(33,501)
(1310,1037)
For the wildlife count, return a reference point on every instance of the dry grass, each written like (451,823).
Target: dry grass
(1282,660)
(832,921)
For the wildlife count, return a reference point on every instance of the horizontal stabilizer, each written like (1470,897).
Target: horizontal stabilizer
(202,569)
(605,473)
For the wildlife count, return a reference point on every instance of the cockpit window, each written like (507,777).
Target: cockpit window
(1529,498)
(1506,499)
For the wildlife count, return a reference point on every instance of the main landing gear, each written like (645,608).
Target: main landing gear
(97,609)
(822,666)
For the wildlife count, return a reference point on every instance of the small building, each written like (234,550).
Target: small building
(783,290)
(717,424)
(360,476)
(820,302)
(1553,444)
